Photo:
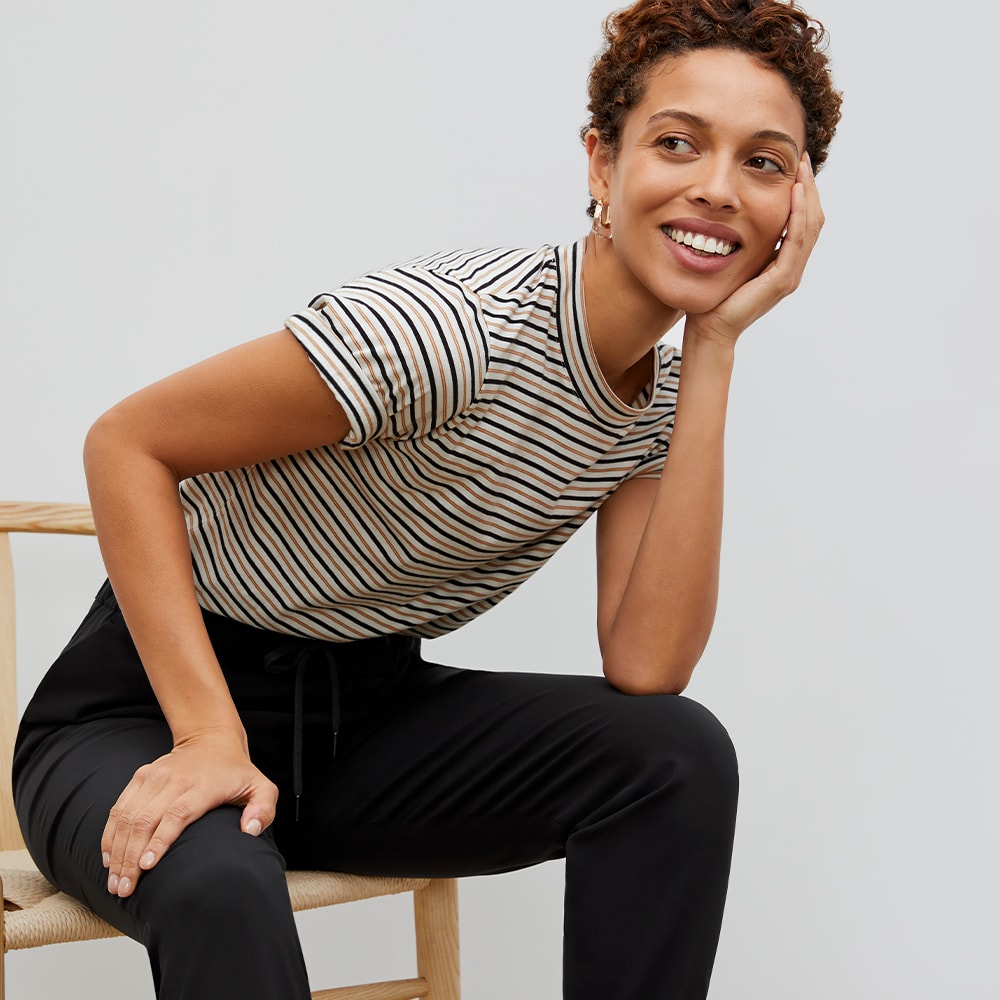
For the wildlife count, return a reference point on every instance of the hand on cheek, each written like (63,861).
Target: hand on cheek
(779,276)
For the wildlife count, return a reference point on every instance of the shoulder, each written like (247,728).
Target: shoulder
(414,338)
(440,308)
(491,270)
(440,295)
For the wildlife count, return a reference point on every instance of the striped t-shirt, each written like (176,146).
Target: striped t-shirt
(482,435)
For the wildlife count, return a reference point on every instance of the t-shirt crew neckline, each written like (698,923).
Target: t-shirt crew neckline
(581,361)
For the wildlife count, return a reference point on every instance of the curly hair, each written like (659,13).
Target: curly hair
(779,34)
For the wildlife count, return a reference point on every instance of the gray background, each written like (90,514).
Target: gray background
(178,178)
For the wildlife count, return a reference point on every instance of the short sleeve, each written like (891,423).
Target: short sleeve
(650,466)
(403,350)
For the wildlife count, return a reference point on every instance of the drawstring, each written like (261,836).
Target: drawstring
(296,655)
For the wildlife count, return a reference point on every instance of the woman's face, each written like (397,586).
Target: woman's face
(700,190)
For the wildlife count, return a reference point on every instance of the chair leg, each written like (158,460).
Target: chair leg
(435,910)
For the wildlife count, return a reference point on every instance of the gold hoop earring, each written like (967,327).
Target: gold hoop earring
(602,220)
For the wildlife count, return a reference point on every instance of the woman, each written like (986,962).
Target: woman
(282,524)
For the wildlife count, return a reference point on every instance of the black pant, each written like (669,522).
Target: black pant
(438,771)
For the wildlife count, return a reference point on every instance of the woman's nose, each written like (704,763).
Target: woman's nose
(715,185)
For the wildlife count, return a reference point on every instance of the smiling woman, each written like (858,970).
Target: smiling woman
(284,523)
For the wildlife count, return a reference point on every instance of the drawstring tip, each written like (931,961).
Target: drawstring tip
(335,735)
(297,797)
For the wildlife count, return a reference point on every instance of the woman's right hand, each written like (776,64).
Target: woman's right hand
(202,772)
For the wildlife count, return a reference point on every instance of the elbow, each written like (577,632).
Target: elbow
(99,442)
(117,444)
(661,661)
(106,443)
(641,676)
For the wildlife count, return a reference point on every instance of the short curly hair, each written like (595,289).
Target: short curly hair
(779,34)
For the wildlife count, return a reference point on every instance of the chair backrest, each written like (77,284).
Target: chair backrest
(44,518)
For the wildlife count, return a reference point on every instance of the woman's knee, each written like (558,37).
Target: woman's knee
(217,917)
(216,871)
(673,740)
(707,744)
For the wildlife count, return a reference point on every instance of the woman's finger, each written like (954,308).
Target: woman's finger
(795,248)
(810,217)
(804,224)
(118,820)
(111,827)
(259,812)
(135,818)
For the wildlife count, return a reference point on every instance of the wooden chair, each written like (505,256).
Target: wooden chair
(35,913)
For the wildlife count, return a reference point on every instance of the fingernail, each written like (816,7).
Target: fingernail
(107,859)
(112,884)
(147,860)
(253,828)
(124,886)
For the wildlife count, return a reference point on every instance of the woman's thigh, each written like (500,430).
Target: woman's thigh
(470,772)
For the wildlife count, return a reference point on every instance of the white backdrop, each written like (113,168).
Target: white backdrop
(177,178)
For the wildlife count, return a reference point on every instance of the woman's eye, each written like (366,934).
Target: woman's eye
(766,164)
(675,144)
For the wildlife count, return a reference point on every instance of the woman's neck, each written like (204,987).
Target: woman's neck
(624,322)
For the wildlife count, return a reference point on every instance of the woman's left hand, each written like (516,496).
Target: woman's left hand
(780,277)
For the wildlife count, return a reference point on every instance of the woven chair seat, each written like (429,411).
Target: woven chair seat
(36,913)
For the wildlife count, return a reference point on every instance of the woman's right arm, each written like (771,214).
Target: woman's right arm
(259,401)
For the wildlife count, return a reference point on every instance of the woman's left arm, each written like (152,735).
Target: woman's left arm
(658,542)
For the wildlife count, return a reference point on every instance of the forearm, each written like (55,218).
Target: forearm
(663,620)
(144,543)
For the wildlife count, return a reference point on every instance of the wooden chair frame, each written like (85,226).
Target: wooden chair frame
(35,914)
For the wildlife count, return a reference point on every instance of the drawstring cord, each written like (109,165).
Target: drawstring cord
(296,655)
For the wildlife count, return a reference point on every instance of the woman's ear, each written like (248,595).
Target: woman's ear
(599,166)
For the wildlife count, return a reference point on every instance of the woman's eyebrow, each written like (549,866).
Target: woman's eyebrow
(696,121)
(685,116)
(776,136)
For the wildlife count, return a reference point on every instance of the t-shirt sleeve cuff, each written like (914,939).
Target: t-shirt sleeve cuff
(360,398)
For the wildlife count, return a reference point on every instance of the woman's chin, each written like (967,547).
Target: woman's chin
(703,295)
(696,303)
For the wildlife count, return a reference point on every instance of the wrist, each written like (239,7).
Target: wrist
(223,736)
(213,718)
(703,346)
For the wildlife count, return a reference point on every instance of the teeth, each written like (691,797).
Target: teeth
(698,241)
